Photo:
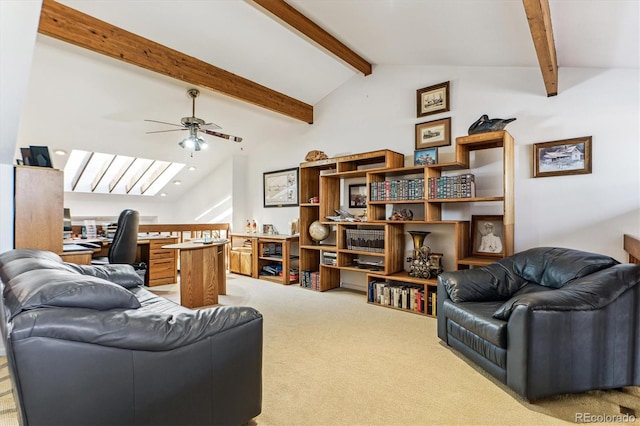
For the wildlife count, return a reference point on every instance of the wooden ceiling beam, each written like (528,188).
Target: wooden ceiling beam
(291,17)
(539,17)
(72,26)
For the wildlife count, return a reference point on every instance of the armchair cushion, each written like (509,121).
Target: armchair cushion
(494,282)
(554,266)
(55,288)
(587,293)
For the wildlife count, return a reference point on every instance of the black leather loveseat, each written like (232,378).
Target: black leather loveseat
(546,321)
(88,345)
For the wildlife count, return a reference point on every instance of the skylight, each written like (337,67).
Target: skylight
(99,173)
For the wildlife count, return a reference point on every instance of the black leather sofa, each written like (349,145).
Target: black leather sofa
(546,321)
(88,345)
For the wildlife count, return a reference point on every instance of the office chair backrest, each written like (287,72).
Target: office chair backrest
(125,241)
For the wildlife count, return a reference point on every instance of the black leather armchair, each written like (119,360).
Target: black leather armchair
(125,241)
(546,321)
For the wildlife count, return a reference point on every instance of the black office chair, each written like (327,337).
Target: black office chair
(125,241)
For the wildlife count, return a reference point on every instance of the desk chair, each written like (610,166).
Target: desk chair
(125,241)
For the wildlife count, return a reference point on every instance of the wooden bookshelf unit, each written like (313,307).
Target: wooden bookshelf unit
(325,179)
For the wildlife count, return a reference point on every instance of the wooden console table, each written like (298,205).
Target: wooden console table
(202,272)
(262,246)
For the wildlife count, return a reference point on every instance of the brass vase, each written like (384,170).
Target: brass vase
(420,259)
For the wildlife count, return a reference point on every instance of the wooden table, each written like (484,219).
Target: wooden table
(202,272)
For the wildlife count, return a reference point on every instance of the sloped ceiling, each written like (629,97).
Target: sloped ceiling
(78,99)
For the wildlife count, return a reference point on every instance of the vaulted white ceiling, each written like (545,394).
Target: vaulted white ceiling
(78,99)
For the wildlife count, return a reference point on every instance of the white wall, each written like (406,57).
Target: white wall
(18,29)
(589,212)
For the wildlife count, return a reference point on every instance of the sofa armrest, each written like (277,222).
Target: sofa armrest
(590,292)
(488,283)
(131,328)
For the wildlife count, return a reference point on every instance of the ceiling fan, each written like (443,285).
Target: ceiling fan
(194,124)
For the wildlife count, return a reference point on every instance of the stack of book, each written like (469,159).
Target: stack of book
(330,258)
(411,298)
(459,186)
(397,190)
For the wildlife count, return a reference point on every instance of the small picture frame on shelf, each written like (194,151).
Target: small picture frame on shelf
(563,157)
(487,236)
(425,157)
(433,133)
(26,157)
(433,99)
(267,228)
(358,195)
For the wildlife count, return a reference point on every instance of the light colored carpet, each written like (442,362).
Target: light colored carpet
(332,359)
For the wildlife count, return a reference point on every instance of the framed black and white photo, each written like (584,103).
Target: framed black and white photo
(358,195)
(425,157)
(281,188)
(563,157)
(40,156)
(487,235)
(433,99)
(433,133)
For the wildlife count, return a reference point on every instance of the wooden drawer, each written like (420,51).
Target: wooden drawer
(161,253)
(234,262)
(157,243)
(161,268)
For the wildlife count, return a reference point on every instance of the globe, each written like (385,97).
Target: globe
(318,231)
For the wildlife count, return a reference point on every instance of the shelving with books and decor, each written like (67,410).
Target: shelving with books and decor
(324,249)
(444,185)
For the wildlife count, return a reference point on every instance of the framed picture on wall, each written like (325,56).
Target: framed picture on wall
(487,235)
(281,188)
(563,157)
(433,99)
(433,133)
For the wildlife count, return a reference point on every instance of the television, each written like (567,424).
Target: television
(66,224)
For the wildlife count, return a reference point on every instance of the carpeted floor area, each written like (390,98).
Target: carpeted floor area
(332,359)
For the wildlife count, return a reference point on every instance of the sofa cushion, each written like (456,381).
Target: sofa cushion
(124,275)
(55,288)
(477,318)
(593,291)
(554,266)
(13,255)
(20,266)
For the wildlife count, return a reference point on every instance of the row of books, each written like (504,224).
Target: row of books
(459,186)
(407,297)
(397,190)
(366,240)
(310,279)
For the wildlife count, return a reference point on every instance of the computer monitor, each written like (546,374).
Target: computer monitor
(66,225)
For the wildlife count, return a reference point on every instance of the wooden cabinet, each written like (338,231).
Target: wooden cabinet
(271,257)
(162,267)
(38,208)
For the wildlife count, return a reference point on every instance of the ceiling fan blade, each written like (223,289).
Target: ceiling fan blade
(164,122)
(162,131)
(210,126)
(222,135)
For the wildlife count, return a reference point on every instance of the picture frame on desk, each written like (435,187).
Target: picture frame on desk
(280,188)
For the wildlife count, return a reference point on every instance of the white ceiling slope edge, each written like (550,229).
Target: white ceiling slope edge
(81,100)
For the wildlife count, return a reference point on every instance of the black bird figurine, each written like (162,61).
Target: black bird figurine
(485,124)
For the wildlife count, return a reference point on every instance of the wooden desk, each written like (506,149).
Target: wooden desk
(202,272)
(162,264)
